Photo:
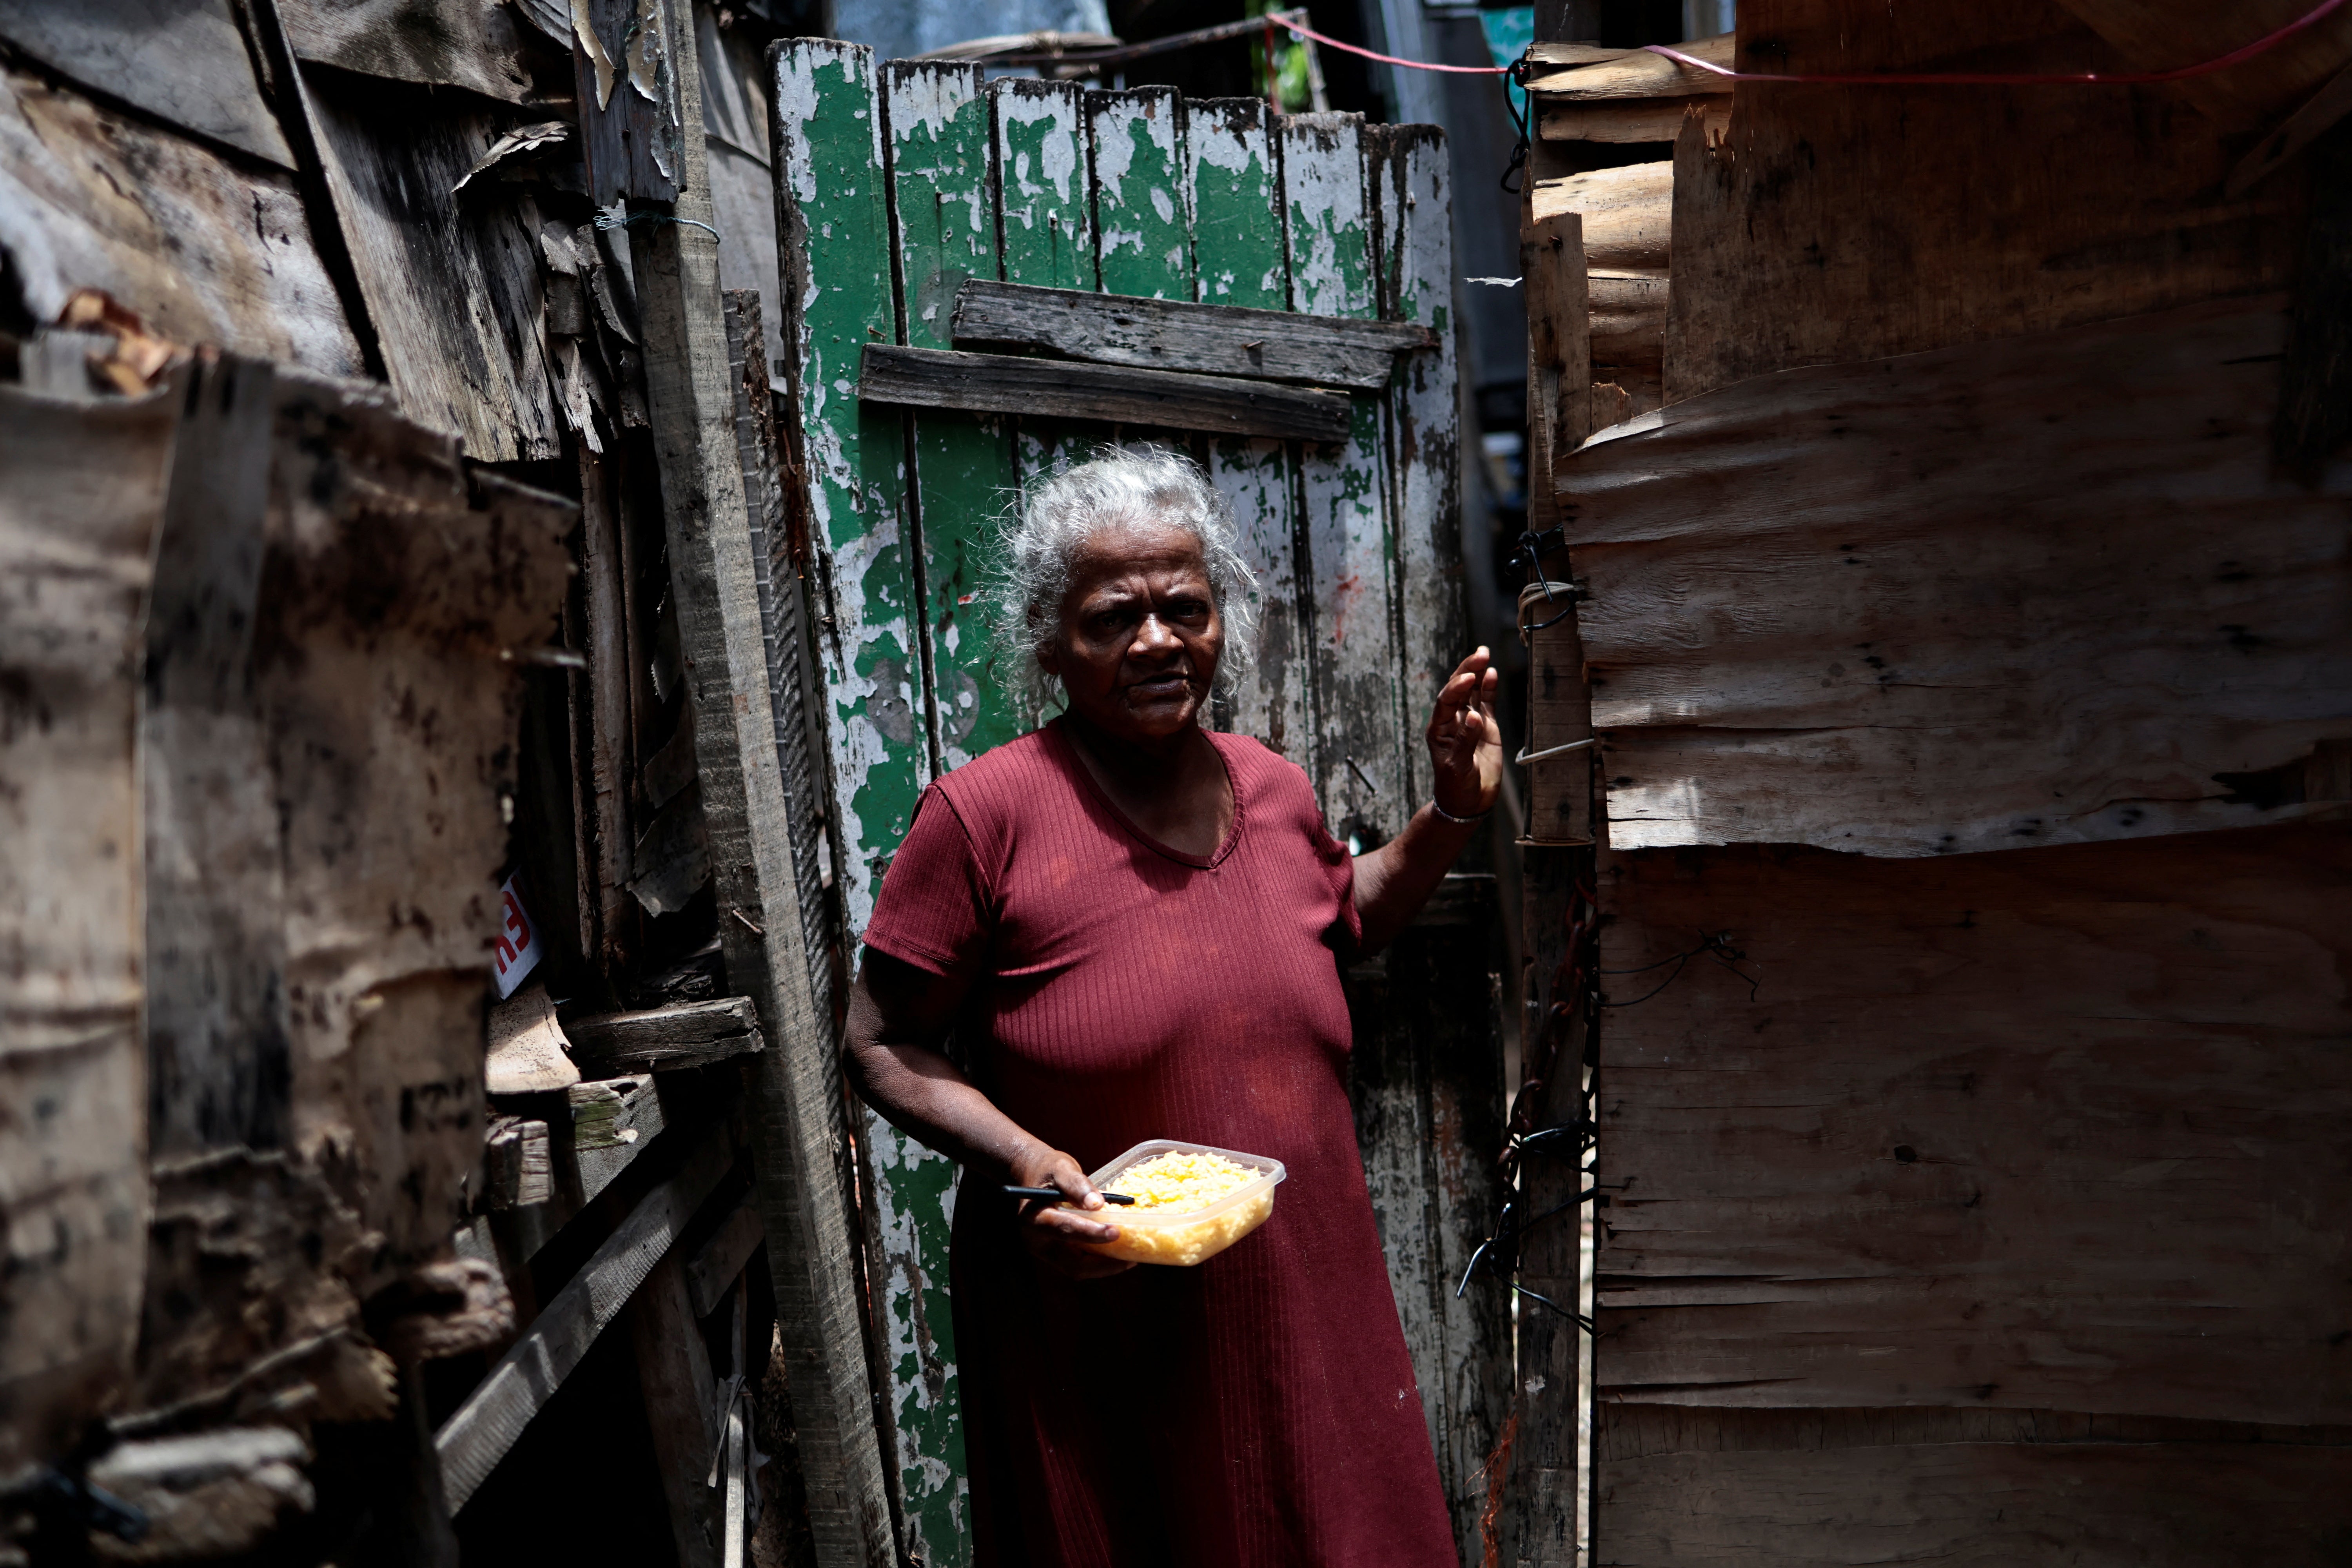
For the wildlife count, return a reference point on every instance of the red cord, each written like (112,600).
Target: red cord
(1942,79)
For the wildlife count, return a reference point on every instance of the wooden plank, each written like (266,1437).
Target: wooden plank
(736,142)
(792,666)
(674,1378)
(492,1419)
(2051,1129)
(187,65)
(612,690)
(433,43)
(1639,74)
(517,1169)
(1787,239)
(82,490)
(451,281)
(1559,352)
(1412,182)
(1426,1083)
(655,1039)
(1559,713)
(1143,233)
(718,1261)
(1232,172)
(2034,591)
(1838,1490)
(1348,572)
(2167,35)
(1628,212)
(804,1170)
(1046,230)
(204,251)
(216,915)
(944,231)
(630,109)
(1633,120)
(1010,383)
(1109,328)
(827,115)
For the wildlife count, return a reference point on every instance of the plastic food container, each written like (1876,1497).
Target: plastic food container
(1183,1238)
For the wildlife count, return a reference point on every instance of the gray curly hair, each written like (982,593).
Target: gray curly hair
(1117,488)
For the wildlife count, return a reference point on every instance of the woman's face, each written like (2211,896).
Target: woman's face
(1140,637)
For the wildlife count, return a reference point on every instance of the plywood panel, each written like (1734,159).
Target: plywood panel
(1852,1487)
(2039,590)
(2051,1129)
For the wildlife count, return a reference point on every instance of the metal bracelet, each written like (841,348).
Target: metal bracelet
(1460,821)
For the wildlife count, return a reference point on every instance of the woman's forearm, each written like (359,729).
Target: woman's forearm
(1393,881)
(927,1097)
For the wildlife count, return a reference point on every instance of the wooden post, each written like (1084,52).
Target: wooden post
(801,1142)
(1559,352)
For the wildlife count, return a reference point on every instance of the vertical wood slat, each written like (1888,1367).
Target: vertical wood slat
(1346,571)
(804,1172)
(216,889)
(1045,227)
(1233,166)
(1411,186)
(826,122)
(943,230)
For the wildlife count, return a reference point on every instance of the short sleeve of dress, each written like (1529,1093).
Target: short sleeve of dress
(1346,935)
(936,909)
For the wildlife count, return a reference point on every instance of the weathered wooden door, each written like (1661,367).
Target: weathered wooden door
(897,183)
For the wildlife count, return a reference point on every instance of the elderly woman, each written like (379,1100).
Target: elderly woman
(1134,927)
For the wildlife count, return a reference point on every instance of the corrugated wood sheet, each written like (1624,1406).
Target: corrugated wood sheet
(2051,1129)
(82,494)
(2038,590)
(205,250)
(1945,219)
(395,584)
(187,63)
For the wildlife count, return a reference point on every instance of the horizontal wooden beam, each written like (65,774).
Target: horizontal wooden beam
(1065,389)
(493,1417)
(1639,74)
(657,1039)
(1177,335)
(1630,120)
(516,1171)
(720,1260)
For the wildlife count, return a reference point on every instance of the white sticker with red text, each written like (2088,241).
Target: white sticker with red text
(518,952)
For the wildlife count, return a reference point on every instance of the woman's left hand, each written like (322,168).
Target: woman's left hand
(1465,743)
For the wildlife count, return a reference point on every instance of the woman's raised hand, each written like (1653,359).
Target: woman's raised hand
(1465,743)
(1053,1233)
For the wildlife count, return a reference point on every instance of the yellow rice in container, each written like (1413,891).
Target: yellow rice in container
(1168,1187)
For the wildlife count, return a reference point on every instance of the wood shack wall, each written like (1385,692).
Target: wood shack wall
(1969,1207)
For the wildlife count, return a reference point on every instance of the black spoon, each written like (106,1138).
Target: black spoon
(1055,1194)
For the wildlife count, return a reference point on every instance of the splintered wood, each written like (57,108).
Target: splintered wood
(2034,591)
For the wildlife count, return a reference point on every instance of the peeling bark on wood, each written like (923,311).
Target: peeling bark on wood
(1005,383)
(1174,334)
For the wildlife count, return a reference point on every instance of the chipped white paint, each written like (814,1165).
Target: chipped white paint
(1058,154)
(584,33)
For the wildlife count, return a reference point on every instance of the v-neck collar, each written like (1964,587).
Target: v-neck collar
(1102,797)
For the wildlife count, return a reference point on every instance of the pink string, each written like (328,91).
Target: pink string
(1939,78)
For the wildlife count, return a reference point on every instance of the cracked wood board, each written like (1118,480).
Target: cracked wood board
(1232,178)
(1348,575)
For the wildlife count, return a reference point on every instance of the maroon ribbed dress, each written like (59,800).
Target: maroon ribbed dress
(1257,1411)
